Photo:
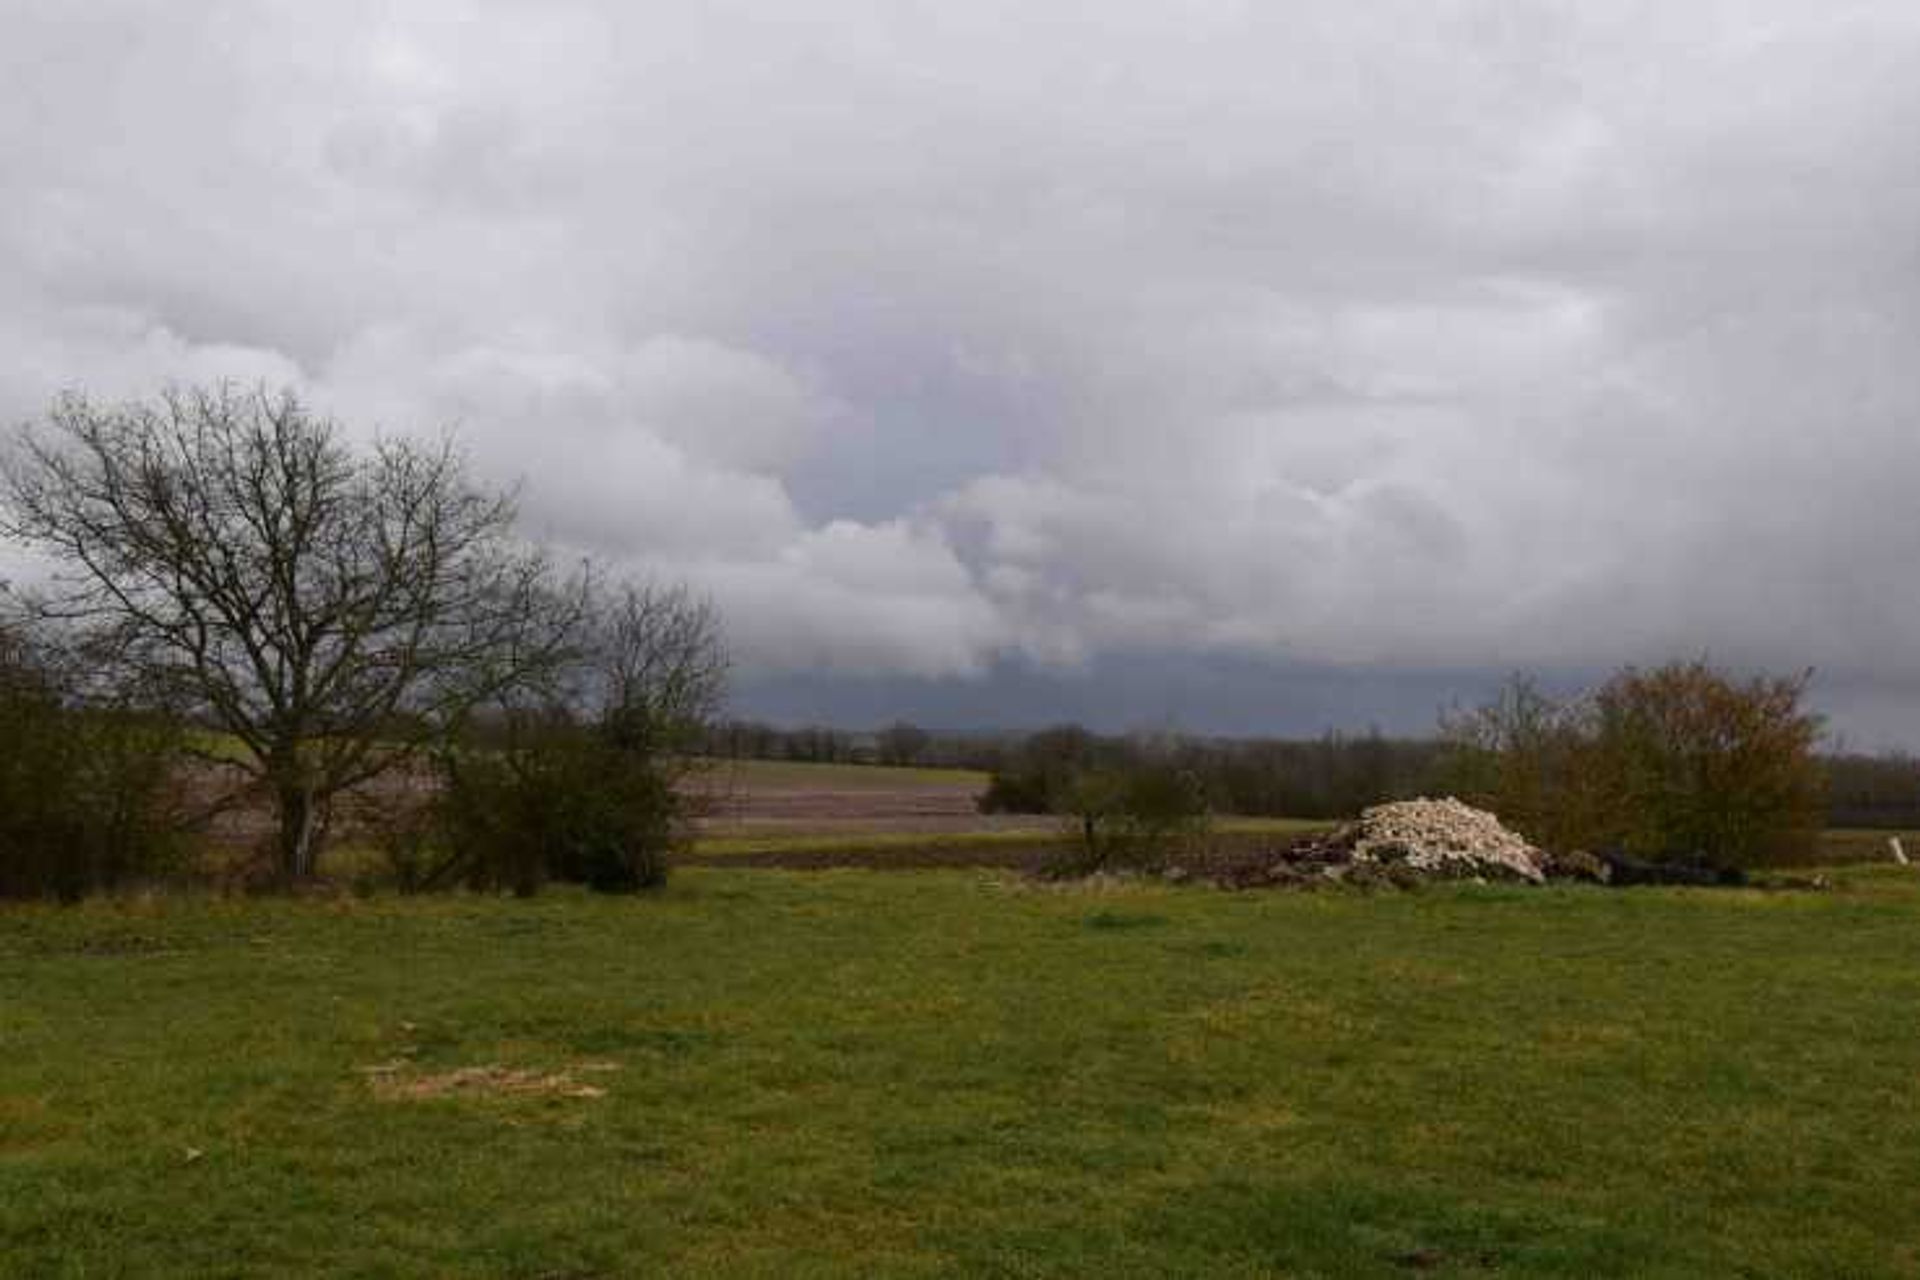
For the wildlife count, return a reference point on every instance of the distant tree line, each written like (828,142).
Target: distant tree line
(900,743)
(1331,776)
(1873,790)
(1324,777)
(1677,763)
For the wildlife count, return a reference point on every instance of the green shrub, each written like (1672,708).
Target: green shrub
(549,796)
(1132,817)
(562,803)
(85,790)
(576,778)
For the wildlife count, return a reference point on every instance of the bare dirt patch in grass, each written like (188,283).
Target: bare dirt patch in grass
(402,1082)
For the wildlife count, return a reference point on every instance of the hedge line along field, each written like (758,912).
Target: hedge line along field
(961,1073)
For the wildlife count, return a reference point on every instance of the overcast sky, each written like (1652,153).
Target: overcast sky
(1230,365)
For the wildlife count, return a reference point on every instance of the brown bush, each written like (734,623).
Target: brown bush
(1691,762)
(1679,763)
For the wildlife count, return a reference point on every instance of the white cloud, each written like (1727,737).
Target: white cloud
(1433,335)
(861,599)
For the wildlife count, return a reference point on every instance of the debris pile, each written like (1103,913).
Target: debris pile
(1412,842)
(1444,839)
(1577,864)
(1394,845)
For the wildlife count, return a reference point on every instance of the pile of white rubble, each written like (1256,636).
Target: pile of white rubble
(1444,839)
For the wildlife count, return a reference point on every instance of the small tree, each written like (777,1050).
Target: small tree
(332,609)
(583,778)
(1526,756)
(659,664)
(1133,815)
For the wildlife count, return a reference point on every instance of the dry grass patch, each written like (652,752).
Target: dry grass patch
(402,1082)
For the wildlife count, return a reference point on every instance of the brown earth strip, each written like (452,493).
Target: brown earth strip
(1021,856)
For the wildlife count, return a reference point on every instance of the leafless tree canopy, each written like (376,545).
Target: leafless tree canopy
(330,608)
(662,667)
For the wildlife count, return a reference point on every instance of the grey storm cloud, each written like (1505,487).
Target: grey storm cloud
(928,338)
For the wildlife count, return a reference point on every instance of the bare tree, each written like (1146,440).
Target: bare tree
(1525,755)
(661,664)
(333,609)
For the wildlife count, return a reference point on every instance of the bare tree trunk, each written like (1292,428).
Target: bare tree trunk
(302,830)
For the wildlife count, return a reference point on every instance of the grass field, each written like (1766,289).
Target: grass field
(951,1073)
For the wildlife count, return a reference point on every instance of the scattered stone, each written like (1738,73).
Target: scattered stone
(1811,884)
(1628,870)
(1372,875)
(1271,869)
(1576,864)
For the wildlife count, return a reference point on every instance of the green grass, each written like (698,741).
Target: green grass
(947,1073)
(215,744)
